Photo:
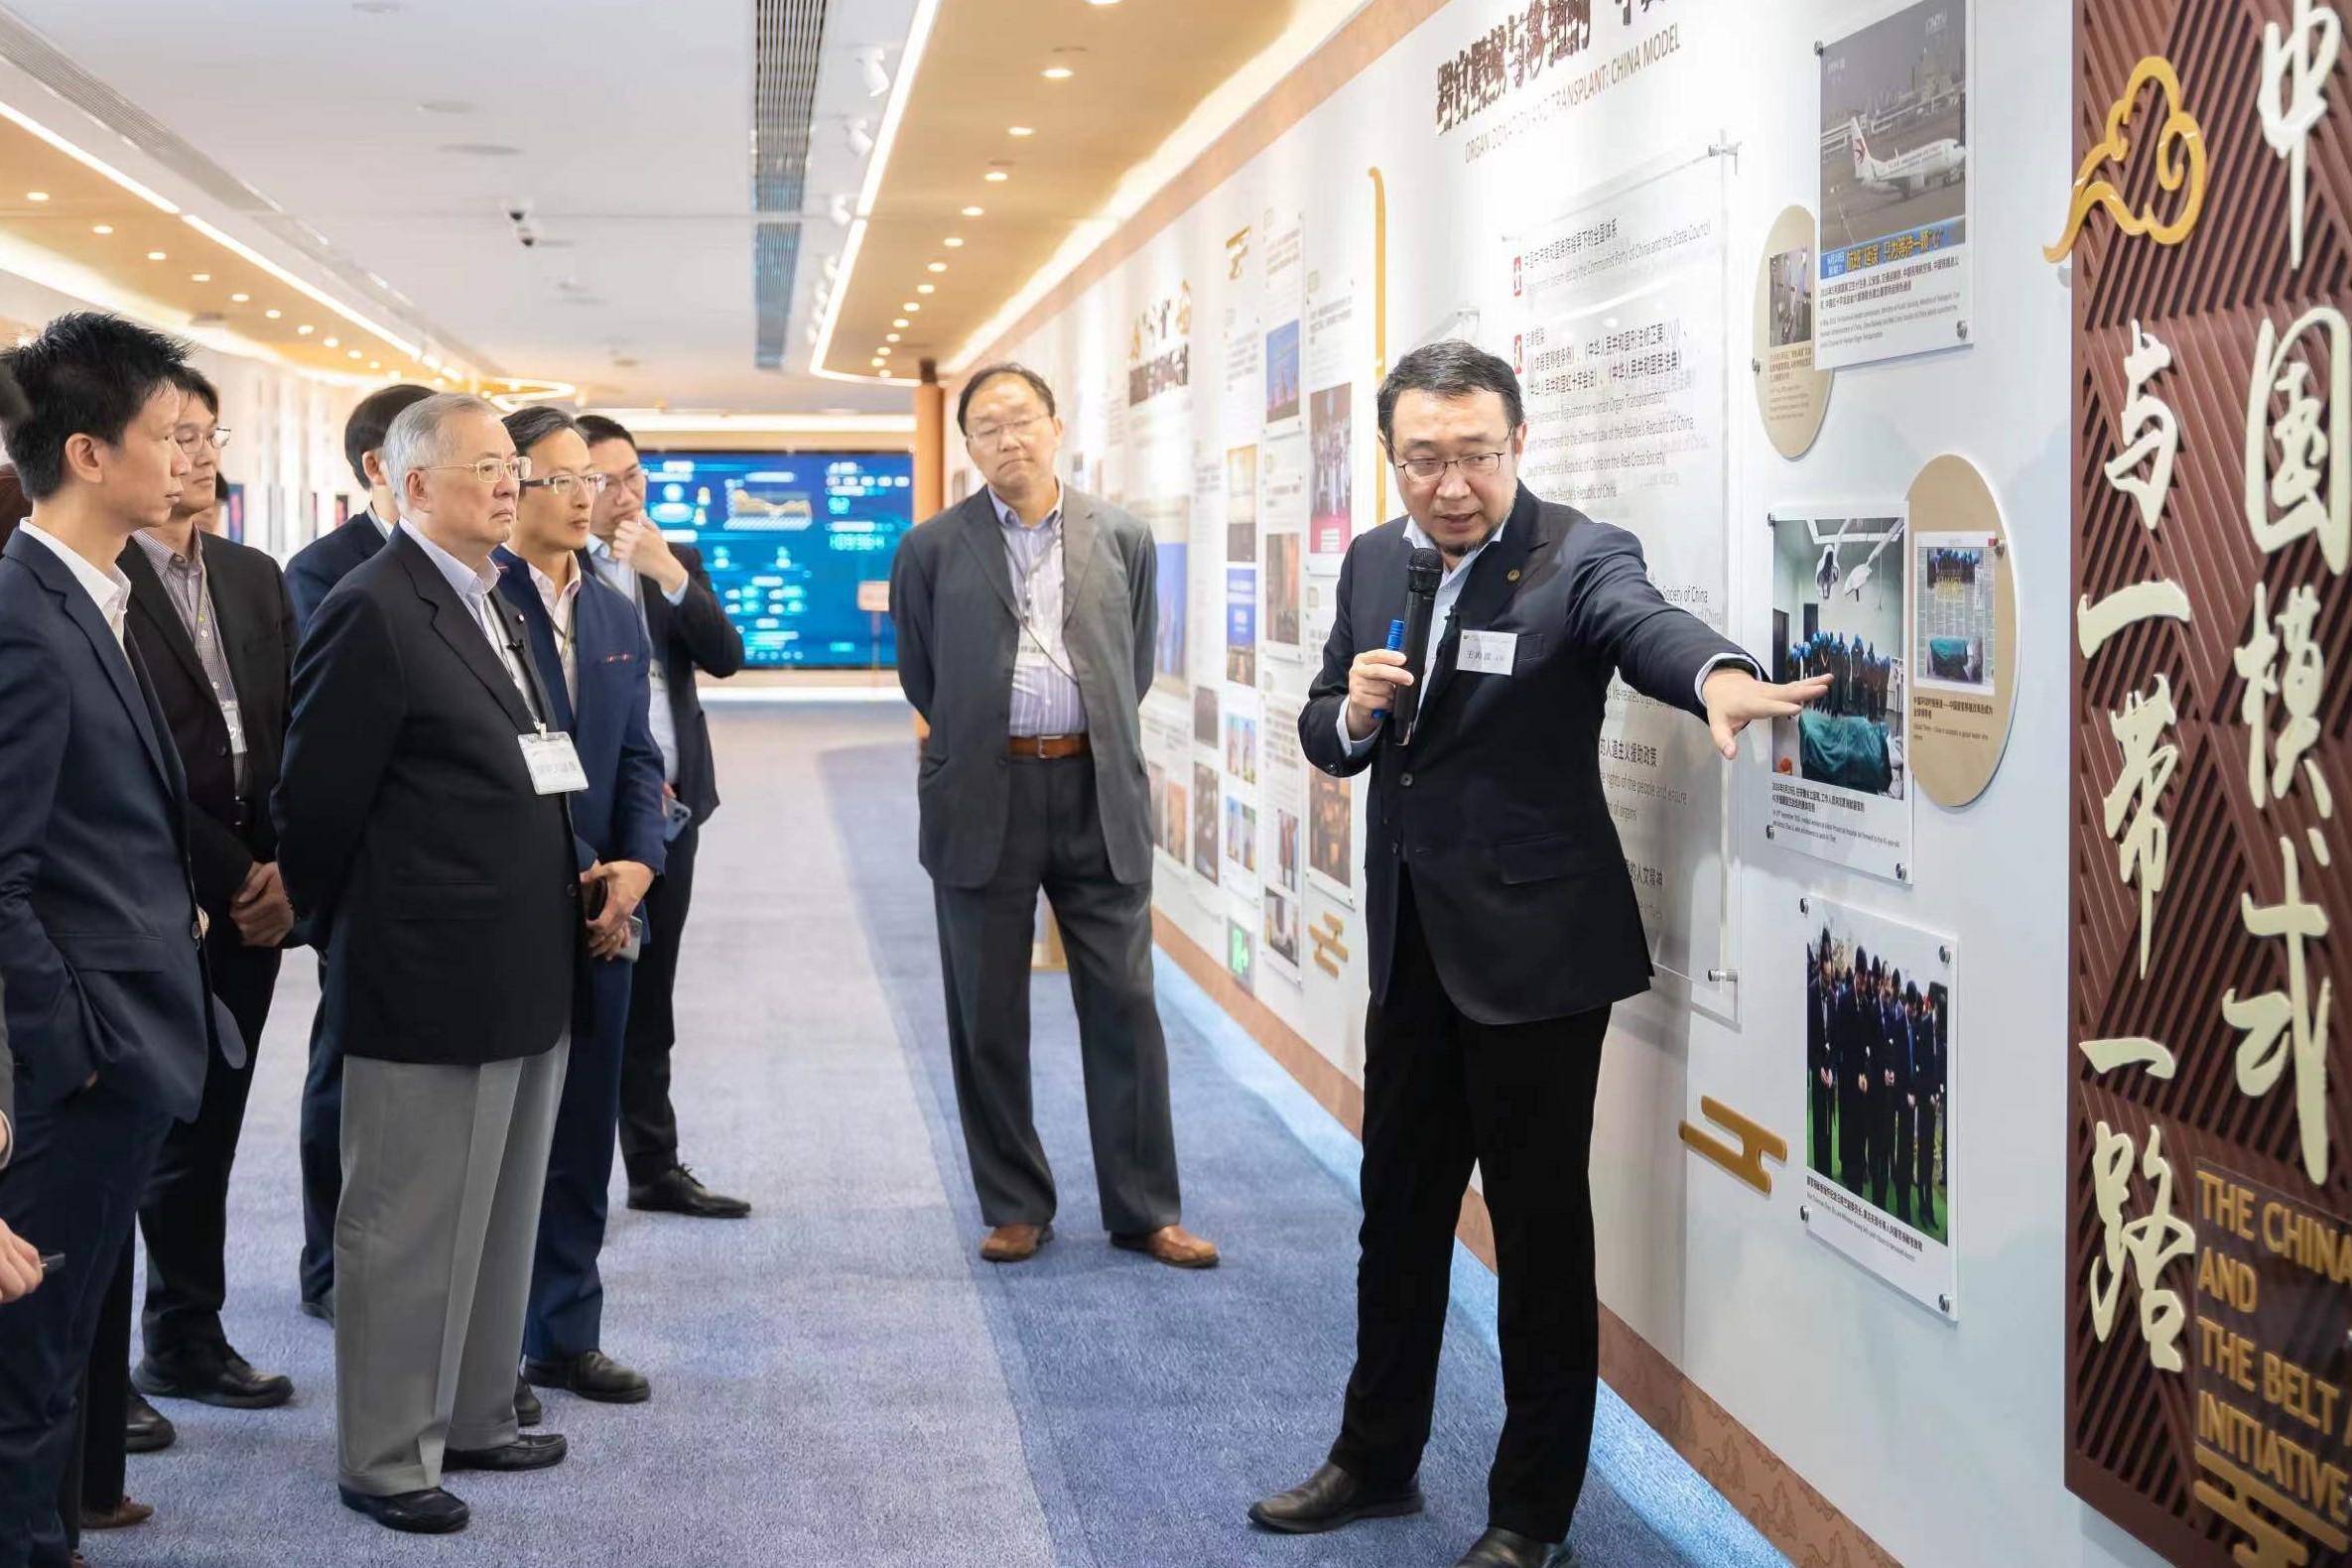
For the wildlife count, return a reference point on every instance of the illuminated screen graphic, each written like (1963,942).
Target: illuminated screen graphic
(788,538)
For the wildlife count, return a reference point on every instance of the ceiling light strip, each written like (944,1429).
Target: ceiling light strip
(910,66)
(18,117)
(212,233)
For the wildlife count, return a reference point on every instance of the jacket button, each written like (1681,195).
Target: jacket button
(571,889)
(1406,781)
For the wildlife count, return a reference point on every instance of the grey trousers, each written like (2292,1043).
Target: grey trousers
(442,1171)
(1054,839)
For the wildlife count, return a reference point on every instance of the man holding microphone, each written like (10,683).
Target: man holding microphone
(1502,924)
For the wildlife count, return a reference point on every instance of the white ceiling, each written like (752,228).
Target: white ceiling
(632,125)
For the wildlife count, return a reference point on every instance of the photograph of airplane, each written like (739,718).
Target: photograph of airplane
(1937,163)
(1893,132)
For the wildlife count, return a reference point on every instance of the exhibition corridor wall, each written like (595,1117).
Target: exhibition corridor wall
(1775,279)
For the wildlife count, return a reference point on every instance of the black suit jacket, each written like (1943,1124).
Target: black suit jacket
(692,635)
(1496,807)
(326,561)
(1820,1006)
(412,844)
(100,950)
(257,635)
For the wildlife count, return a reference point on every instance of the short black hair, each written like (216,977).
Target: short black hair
(595,428)
(191,380)
(988,373)
(88,373)
(530,426)
(363,432)
(1449,368)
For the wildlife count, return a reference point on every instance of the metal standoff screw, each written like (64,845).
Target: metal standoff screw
(1768,830)
(1804,1213)
(1944,952)
(1902,872)
(1961,328)
(1755,367)
(1804,906)
(1945,1301)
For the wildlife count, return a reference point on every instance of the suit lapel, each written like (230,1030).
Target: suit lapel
(456,625)
(153,601)
(113,657)
(980,532)
(539,630)
(1080,535)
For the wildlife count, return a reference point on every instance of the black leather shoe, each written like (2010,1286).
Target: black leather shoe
(527,1410)
(320,1307)
(429,1513)
(1330,1497)
(675,1191)
(1501,1549)
(218,1376)
(592,1375)
(531,1451)
(144,1429)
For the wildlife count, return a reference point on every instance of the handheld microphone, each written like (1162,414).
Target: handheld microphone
(1421,575)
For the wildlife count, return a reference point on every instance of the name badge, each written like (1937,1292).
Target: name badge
(236,727)
(1488,652)
(554,764)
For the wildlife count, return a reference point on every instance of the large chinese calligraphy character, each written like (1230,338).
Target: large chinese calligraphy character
(2293,97)
(2149,1243)
(2306,487)
(2283,1026)
(2151,432)
(2144,848)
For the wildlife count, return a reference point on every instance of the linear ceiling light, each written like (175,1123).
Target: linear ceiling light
(18,117)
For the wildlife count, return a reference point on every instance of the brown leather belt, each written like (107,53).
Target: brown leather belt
(1047,749)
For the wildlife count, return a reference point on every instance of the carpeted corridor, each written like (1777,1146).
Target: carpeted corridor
(840,1380)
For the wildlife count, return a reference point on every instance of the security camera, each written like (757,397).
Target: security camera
(517,211)
(527,234)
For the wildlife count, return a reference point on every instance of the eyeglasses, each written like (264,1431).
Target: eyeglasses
(990,434)
(561,485)
(1477,464)
(191,442)
(489,469)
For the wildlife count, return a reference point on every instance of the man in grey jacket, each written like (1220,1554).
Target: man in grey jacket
(1025,620)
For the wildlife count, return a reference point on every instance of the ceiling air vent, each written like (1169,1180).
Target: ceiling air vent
(787,39)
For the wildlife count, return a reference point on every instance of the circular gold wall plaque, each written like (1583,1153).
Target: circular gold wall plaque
(1790,394)
(1964,631)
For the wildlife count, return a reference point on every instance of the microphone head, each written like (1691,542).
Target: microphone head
(1423,571)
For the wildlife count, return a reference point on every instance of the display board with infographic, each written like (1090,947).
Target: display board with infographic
(787,538)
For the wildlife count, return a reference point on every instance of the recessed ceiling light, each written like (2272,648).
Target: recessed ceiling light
(356,354)
(1101,2)
(899,321)
(273,315)
(333,342)
(103,228)
(1023,130)
(157,255)
(909,306)
(240,299)
(375,365)
(36,196)
(200,277)
(954,242)
(1057,73)
(884,351)
(974,212)
(306,329)
(997,177)
(938,266)
(926,288)
(890,338)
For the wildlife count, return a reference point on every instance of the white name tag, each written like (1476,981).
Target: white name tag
(236,727)
(554,764)
(1488,652)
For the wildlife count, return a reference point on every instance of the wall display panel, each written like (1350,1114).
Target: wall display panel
(1841,784)
(1894,182)
(1964,628)
(2207,1184)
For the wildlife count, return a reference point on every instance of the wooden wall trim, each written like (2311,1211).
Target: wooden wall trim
(1782,1506)
(1343,56)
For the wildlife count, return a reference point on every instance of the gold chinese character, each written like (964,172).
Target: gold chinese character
(2145,848)
(2151,1243)
(2293,96)
(2270,770)
(2310,489)
(2150,427)
(2278,1021)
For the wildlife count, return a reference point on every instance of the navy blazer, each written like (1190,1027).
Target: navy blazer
(692,635)
(619,817)
(326,561)
(100,950)
(1497,811)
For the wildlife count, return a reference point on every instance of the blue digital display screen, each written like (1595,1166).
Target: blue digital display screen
(788,538)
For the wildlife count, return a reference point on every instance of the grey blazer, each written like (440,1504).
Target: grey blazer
(951,602)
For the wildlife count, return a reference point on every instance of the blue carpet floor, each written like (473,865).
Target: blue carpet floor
(840,1380)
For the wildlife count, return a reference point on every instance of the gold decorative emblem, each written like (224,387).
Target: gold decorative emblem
(2180,160)
(1757,1144)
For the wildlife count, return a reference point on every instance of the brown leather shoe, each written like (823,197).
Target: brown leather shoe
(1171,1244)
(1015,1243)
(121,1517)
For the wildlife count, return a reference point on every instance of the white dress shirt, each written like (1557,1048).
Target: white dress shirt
(664,723)
(559,602)
(479,592)
(109,589)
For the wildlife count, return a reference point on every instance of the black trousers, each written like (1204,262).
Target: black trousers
(97,1463)
(73,1186)
(1441,1092)
(648,1121)
(1053,840)
(565,1316)
(184,1217)
(1824,1114)
(1906,1121)
(1924,1160)
(322,1148)
(1854,1117)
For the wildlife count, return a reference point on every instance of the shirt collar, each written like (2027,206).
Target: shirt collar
(472,587)
(381,527)
(1012,518)
(109,587)
(549,593)
(163,554)
(1419,540)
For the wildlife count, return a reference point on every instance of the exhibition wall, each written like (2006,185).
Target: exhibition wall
(1600,193)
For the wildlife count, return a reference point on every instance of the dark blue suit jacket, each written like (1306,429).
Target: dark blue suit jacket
(619,817)
(99,949)
(326,561)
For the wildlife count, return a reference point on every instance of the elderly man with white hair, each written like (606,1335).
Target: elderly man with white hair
(424,838)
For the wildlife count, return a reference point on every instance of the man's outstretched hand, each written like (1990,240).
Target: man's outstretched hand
(1737,699)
